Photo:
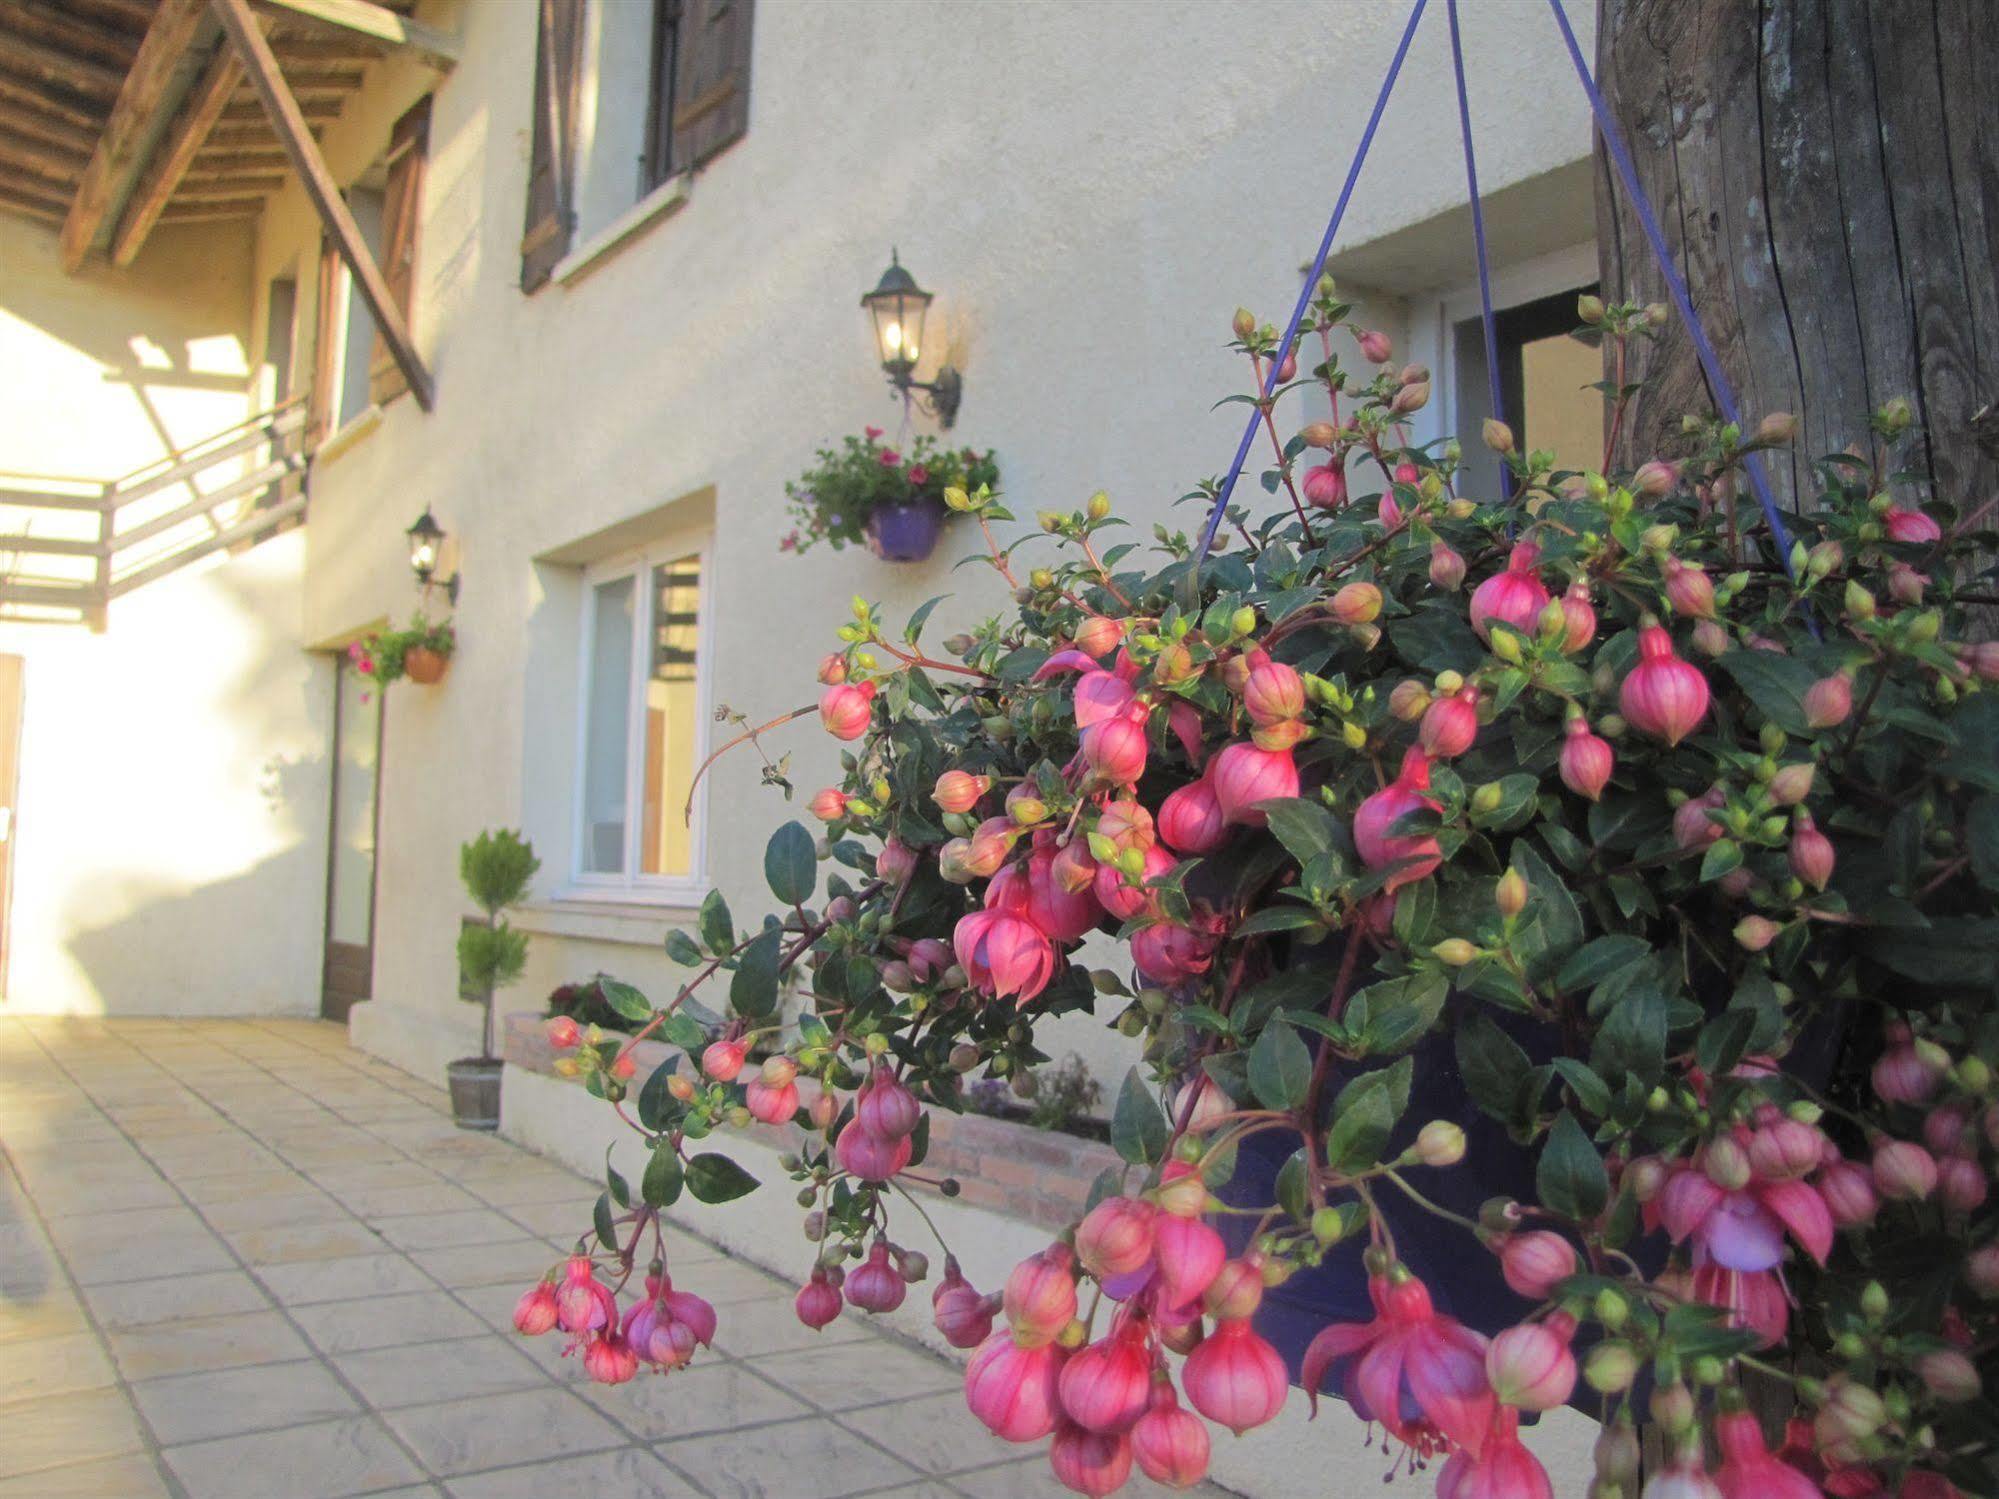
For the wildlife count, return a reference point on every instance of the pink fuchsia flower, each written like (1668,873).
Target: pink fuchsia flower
(1450,724)
(1273,693)
(1911,526)
(582,1302)
(1100,697)
(870,1156)
(1234,1377)
(1089,1462)
(772,1104)
(1753,1299)
(1662,695)
(1011,1388)
(956,791)
(1903,1170)
(1683,1478)
(1417,853)
(1743,1229)
(1243,775)
(1190,819)
(1187,1254)
(1578,618)
(889,458)
(1115,750)
(1535,1262)
(1421,1375)
(1849,1194)
(1107,1385)
(1689,590)
(1115,1237)
(1003,955)
(1748,1468)
(1587,759)
(818,1301)
(1514,597)
(1063,915)
(1530,1366)
(1171,1444)
(1125,899)
(1325,486)
(874,1285)
(1502,1468)
(960,1313)
(1126,825)
(723,1060)
(872,433)
(609,1359)
(887,1107)
(665,1328)
(535,1313)
(845,709)
(1168,953)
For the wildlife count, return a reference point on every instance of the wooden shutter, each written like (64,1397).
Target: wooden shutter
(402,202)
(659,106)
(711,87)
(551,216)
(325,399)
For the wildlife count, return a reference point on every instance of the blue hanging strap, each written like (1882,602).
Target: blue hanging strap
(1478,245)
(1310,286)
(1724,395)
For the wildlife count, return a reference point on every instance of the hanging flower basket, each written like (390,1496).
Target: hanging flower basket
(421,652)
(424,666)
(892,500)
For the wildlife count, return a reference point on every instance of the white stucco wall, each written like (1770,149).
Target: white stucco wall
(169,838)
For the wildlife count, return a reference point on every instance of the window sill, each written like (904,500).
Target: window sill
(661,203)
(632,920)
(356,428)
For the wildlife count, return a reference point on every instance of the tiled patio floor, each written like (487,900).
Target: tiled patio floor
(238,1258)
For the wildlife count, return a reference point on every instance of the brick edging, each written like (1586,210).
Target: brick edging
(1001,1165)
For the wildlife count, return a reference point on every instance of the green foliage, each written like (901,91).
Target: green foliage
(382,654)
(497,868)
(491,957)
(832,500)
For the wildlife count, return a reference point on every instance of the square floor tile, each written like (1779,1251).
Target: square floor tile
(38,1434)
(426,1373)
(767,1327)
(49,1313)
(705,1396)
(140,1303)
(205,1343)
(376,1203)
(446,1230)
(498,1431)
(286,1243)
(385,1321)
(624,1473)
(54,1366)
(134,1477)
(813,1456)
(147,1257)
(306,1282)
(303,1204)
(935,1433)
(333,1458)
(194,1407)
(513,1261)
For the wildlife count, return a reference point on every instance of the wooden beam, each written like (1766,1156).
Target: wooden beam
(213,158)
(211,213)
(31,184)
(224,189)
(379,22)
(38,98)
(80,75)
(297,140)
(176,155)
(47,210)
(44,22)
(24,121)
(57,162)
(175,25)
(239,113)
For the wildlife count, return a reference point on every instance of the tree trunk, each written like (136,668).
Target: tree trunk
(1826,173)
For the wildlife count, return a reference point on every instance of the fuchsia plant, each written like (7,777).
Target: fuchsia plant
(1681,850)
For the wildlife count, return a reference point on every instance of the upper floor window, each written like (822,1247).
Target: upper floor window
(1546,379)
(628,95)
(643,728)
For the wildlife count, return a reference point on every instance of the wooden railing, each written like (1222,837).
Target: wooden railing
(69,547)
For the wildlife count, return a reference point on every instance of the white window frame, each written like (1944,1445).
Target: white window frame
(1434,321)
(630,887)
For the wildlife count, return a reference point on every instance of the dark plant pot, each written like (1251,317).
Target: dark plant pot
(905,533)
(424,666)
(475,1092)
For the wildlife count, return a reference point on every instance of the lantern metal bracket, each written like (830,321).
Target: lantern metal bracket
(939,397)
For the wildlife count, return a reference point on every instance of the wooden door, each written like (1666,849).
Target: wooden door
(347,973)
(11,674)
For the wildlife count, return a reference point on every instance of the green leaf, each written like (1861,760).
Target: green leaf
(657,1106)
(753,988)
(1138,1127)
(605,1222)
(1723,1040)
(1560,928)
(1361,1127)
(1571,1179)
(684,1031)
(1591,1091)
(1776,684)
(683,949)
(790,865)
(660,1186)
(1492,1064)
(913,631)
(1723,857)
(716,928)
(626,1000)
(1595,961)
(1280,1067)
(1109,1183)
(620,1190)
(1279,919)
(1632,1041)
(1293,1191)
(716,1178)
(1401,1011)
(1304,827)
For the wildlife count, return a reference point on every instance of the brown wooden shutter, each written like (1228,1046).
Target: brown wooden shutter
(324,400)
(711,89)
(659,101)
(402,203)
(551,216)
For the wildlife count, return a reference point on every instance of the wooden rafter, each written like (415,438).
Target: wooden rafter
(379,23)
(53,162)
(170,164)
(26,95)
(176,24)
(23,121)
(49,23)
(296,137)
(51,64)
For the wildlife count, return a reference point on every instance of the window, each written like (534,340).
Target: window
(1545,380)
(642,732)
(628,95)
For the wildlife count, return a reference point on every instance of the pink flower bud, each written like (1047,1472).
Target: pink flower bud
(1115,750)
(534,1313)
(1125,899)
(1236,1291)
(1910,526)
(1168,953)
(1325,486)
(1689,590)
(1981,1271)
(817,1302)
(874,1286)
(959,792)
(1062,915)
(871,1157)
(1387,510)
(771,1105)
(897,860)
(832,669)
(1356,603)
(1450,724)
(1380,812)
(1531,1367)
(1107,1385)
(1447,567)
(1243,775)
(1961,1184)
(582,1303)
(887,1107)
(1171,1444)
(1191,821)
(563,1032)
(1003,955)
(1115,1236)
(1903,1075)
(1792,784)
(1662,695)
(1515,597)
(845,710)
(962,1315)
(1904,1171)
(1011,1387)
(1535,1262)
(1948,1131)
(1375,346)
(1040,1296)
(1785,1149)
(1099,635)
(1235,1377)
(1655,479)
(1692,827)
(1088,1462)
(1189,1255)
(1948,1375)
(1273,693)
(1578,618)
(1127,825)
(1811,854)
(1586,760)
(1828,701)
(609,1359)
(1849,1194)
(1984,660)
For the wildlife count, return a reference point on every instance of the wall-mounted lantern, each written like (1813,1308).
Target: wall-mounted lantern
(426,539)
(898,305)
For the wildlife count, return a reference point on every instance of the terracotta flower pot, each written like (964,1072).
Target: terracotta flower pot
(905,533)
(423,665)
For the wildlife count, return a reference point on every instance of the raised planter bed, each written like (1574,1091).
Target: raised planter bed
(1030,1175)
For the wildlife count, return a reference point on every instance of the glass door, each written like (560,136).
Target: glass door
(348,970)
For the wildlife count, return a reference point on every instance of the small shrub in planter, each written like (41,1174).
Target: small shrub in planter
(586,1005)
(891,498)
(496,869)
(421,652)
(1567,923)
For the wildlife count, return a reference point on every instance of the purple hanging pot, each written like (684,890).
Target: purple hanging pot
(905,533)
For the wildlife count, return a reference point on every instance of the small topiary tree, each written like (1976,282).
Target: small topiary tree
(496,868)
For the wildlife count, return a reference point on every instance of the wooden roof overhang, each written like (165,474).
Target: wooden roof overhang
(120,115)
